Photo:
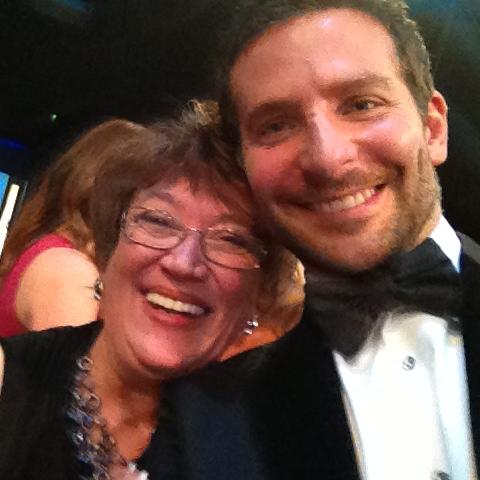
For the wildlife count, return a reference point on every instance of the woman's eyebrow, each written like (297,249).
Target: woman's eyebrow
(162,195)
(231,219)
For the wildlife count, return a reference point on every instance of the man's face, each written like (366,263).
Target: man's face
(334,146)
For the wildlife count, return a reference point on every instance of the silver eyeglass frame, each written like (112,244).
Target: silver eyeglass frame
(262,251)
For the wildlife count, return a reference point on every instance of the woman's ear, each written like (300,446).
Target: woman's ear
(436,126)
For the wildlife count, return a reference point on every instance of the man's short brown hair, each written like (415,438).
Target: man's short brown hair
(254,17)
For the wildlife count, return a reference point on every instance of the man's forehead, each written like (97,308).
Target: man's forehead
(323,19)
(327,45)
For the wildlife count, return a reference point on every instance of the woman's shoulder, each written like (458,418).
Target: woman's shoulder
(38,358)
(57,283)
(59,261)
(25,259)
(36,352)
(42,244)
(38,370)
(51,240)
(51,251)
(10,283)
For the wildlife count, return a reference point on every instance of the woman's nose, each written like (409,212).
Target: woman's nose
(186,259)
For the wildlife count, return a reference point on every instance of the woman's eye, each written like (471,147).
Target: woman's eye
(228,240)
(235,239)
(156,220)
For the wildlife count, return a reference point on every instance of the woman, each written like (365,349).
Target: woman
(185,270)
(47,270)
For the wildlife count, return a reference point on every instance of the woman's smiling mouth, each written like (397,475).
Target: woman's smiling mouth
(160,301)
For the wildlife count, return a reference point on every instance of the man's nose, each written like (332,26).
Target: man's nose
(332,150)
(186,260)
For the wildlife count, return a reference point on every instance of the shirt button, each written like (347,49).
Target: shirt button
(439,475)
(408,363)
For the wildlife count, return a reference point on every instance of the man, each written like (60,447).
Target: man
(341,129)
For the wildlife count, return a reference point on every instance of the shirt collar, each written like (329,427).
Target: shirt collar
(446,238)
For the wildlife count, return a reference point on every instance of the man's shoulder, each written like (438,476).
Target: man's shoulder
(304,337)
(470,248)
(301,350)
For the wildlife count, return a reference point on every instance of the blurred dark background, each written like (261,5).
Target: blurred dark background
(67,64)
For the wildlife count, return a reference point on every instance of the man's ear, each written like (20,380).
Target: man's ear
(436,126)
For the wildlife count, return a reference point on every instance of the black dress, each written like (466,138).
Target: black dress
(34,428)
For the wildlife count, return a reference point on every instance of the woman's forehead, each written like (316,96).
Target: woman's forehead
(227,200)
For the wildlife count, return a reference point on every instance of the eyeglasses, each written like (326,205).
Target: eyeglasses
(224,246)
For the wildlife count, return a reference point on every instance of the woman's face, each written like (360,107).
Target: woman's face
(170,311)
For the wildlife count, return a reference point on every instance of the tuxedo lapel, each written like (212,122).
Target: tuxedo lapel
(282,421)
(470,273)
(299,413)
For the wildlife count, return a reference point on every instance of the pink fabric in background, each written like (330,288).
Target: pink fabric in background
(9,324)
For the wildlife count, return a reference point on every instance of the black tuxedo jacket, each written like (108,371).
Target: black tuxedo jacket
(277,412)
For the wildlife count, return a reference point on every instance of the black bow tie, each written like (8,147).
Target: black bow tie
(348,307)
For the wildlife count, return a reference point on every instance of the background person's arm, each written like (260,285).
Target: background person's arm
(56,289)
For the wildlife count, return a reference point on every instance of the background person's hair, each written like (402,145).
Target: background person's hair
(61,201)
(254,17)
(188,147)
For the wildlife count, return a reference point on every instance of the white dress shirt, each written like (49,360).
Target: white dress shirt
(406,394)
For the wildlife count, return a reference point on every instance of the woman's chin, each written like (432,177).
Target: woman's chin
(167,352)
(163,363)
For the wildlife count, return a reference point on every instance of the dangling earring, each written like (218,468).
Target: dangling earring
(251,325)
(98,289)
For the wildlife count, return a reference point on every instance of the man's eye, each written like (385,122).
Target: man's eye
(275,127)
(363,105)
(275,131)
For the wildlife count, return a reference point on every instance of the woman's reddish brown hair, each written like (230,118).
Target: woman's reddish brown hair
(61,203)
(188,147)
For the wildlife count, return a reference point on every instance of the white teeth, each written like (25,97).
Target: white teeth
(349,201)
(359,199)
(176,305)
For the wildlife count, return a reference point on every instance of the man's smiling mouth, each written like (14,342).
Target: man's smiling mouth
(340,203)
(348,201)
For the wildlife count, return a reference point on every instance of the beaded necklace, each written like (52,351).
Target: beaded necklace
(94,444)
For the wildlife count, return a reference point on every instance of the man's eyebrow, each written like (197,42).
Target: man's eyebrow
(362,81)
(285,104)
(271,107)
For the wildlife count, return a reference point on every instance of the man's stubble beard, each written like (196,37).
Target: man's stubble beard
(412,225)
(412,220)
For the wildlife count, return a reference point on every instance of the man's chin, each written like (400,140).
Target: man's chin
(337,256)
(345,264)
